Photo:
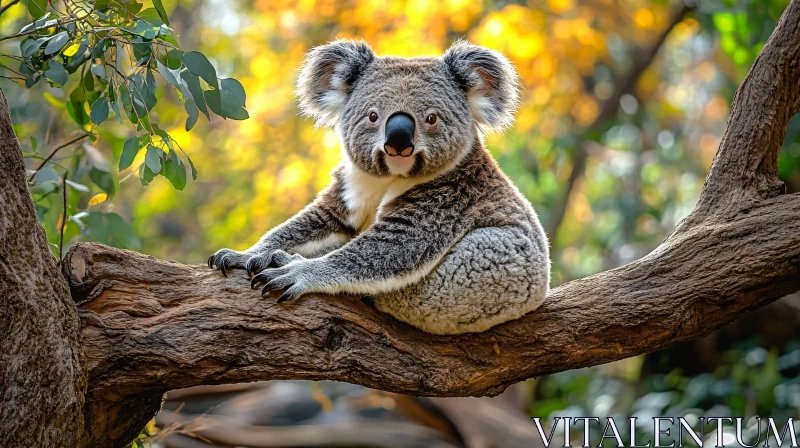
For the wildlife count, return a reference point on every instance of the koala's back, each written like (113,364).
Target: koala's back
(498,270)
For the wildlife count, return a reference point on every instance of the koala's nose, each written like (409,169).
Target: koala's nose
(399,135)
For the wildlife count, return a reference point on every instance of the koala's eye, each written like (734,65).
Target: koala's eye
(373,117)
(431,119)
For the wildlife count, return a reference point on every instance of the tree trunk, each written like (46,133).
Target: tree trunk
(42,383)
(148,326)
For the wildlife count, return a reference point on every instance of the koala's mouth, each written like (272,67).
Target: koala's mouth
(400,165)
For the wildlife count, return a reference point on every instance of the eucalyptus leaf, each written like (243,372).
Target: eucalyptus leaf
(174,59)
(152,17)
(40,23)
(191,109)
(191,164)
(175,171)
(56,43)
(30,46)
(146,175)
(199,65)
(56,73)
(99,111)
(153,158)
(77,186)
(104,180)
(129,151)
(161,12)
(37,8)
(133,7)
(228,101)
(192,82)
(171,76)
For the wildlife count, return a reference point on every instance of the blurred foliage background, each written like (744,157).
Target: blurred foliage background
(623,108)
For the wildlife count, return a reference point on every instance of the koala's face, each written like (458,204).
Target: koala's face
(407,117)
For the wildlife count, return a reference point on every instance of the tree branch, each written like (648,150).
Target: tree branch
(149,325)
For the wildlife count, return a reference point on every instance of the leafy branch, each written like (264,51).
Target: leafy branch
(106,55)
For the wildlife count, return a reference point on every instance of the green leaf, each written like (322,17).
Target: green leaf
(88,81)
(191,109)
(30,46)
(161,12)
(30,82)
(133,7)
(101,4)
(77,186)
(146,175)
(99,49)
(192,82)
(80,57)
(40,23)
(144,29)
(129,151)
(175,171)
(104,180)
(142,50)
(143,94)
(152,17)
(99,111)
(37,8)
(56,73)
(174,59)
(171,76)
(153,158)
(191,164)
(56,43)
(228,101)
(199,65)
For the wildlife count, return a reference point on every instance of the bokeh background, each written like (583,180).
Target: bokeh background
(623,108)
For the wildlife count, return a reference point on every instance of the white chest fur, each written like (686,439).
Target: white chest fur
(364,194)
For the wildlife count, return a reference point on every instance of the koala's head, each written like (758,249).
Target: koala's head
(407,117)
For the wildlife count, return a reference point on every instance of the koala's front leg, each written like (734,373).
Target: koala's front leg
(399,249)
(318,228)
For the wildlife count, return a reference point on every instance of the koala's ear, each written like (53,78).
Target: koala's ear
(489,81)
(327,77)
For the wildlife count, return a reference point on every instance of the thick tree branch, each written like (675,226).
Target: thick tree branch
(41,379)
(150,325)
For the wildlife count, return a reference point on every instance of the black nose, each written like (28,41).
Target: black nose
(399,135)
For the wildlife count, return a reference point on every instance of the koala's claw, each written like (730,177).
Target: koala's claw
(225,259)
(281,258)
(257,264)
(287,297)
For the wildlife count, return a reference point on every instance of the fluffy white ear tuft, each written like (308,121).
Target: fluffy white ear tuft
(327,77)
(488,79)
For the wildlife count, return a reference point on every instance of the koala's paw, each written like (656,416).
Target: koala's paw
(277,258)
(225,259)
(295,276)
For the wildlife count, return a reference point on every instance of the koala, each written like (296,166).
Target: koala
(418,215)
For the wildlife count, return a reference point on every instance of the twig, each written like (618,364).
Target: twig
(609,109)
(63,217)
(47,159)
(35,30)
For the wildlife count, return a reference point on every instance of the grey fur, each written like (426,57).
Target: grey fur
(443,240)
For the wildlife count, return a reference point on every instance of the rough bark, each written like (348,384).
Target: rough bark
(42,383)
(148,326)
